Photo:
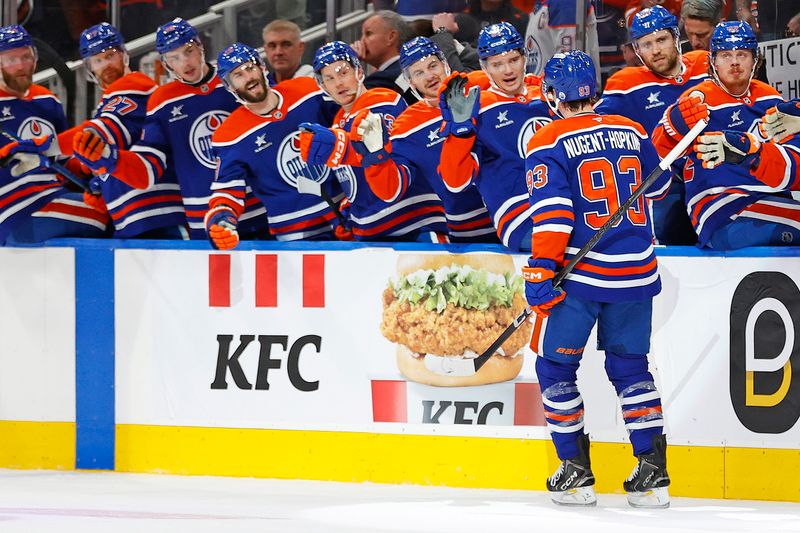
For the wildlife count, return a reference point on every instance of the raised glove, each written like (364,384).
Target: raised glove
(539,291)
(369,136)
(322,146)
(94,152)
(781,121)
(727,146)
(221,225)
(459,105)
(27,155)
(682,116)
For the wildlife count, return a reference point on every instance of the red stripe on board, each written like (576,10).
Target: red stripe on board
(528,409)
(313,280)
(219,280)
(266,280)
(389,401)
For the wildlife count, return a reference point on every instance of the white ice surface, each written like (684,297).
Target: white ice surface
(87,502)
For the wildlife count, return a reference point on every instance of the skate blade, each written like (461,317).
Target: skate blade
(657,498)
(579,497)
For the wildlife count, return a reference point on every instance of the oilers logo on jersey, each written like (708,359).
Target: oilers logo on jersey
(291,165)
(526,133)
(35,127)
(200,136)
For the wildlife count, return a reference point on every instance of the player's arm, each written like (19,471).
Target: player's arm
(320,145)
(227,201)
(460,106)
(677,120)
(778,165)
(553,221)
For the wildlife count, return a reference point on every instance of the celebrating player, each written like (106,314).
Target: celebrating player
(579,170)
(416,146)
(376,211)
(642,93)
(487,131)
(257,147)
(728,206)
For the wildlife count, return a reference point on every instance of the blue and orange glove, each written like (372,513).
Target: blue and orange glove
(221,224)
(684,114)
(323,146)
(369,137)
(26,156)
(781,121)
(460,104)
(539,291)
(727,146)
(92,150)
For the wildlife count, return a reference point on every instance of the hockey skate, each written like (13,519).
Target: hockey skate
(573,482)
(647,484)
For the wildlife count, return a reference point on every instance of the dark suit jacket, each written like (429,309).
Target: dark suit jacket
(391,78)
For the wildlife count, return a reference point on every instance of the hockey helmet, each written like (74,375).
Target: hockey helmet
(651,20)
(571,76)
(418,49)
(175,34)
(235,56)
(332,52)
(733,35)
(12,37)
(100,38)
(498,39)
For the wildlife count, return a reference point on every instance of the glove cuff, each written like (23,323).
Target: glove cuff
(214,210)
(538,262)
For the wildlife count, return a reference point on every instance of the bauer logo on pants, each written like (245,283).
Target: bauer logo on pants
(765,352)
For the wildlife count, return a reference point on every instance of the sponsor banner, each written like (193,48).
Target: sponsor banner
(37,294)
(782,60)
(339,340)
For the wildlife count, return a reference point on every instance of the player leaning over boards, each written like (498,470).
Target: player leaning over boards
(579,170)
(182,115)
(487,132)
(642,93)
(375,214)
(416,147)
(729,207)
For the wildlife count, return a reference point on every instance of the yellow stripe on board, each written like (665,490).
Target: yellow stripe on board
(700,472)
(39,445)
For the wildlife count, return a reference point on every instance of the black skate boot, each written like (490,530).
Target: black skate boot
(572,483)
(647,484)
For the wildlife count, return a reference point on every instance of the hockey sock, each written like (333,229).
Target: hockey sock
(563,405)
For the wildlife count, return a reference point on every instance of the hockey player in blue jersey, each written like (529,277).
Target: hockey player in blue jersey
(486,132)
(579,170)
(182,115)
(376,210)
(34,206)
(642,93)
(416,147)
(729,207)
(258,147)
(151,208)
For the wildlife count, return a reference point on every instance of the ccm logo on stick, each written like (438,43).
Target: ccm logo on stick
(229,362)
(765,352)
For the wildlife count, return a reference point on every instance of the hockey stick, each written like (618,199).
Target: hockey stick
(55,165)
(468,367)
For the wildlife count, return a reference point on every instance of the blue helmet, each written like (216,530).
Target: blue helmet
(418,49)
(498,39)
(571,76)
(331,53)
(235,56)
(12,37)
(651,20)
(99,38)
(733,35)
(175,34)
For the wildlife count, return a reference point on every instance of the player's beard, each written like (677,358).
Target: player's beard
(248,95)
(110,74)
(666,70)
(20,82)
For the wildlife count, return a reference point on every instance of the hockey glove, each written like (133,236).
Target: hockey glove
(94,152)
(727,146)
(781,121)
(27,155)
(221,225)
(682,116)
(322,146)
(539,291)
(460,105)
(96,202)
(369,136)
